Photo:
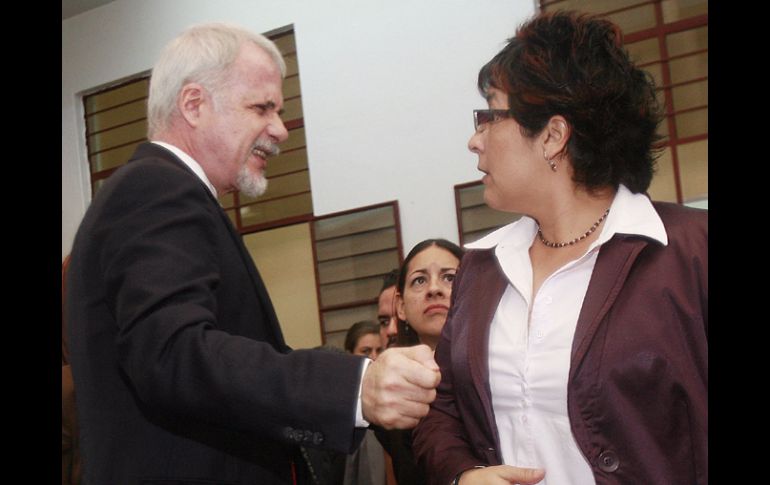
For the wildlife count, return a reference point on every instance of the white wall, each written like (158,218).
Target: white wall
(387,90)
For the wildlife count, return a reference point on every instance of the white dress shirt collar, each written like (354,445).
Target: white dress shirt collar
(629,214)
(190,162)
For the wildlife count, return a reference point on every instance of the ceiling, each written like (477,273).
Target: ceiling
(70,8)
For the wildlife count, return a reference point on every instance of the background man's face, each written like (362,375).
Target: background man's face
(386,315)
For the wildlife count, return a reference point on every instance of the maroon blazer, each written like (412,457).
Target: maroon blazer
(638,380)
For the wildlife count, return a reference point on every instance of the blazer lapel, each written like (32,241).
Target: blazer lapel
(613,264)
(488,285)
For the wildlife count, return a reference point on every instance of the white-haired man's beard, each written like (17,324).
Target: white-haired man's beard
(251,184)
(255,184)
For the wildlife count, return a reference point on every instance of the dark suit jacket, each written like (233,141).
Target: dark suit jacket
(70,451)
(638,381)
(180,368)
(398,444)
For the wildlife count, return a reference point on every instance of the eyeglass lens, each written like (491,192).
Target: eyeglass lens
(484,116)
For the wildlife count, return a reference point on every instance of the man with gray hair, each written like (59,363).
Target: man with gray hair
(181,372)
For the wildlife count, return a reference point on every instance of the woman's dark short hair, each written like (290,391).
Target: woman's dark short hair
(406,336)
(358,330)
(574,65)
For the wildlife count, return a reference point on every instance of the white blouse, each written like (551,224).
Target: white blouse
(530,342)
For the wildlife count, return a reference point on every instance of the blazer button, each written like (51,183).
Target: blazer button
(608,461)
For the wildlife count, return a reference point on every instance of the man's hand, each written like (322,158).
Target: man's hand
(399,386)
(501,475)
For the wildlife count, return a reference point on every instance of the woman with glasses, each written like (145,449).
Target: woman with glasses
(576,348)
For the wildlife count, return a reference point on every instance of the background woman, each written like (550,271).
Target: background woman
(366,465)
(578,338)
(424,287)
(423,293)
(363,338)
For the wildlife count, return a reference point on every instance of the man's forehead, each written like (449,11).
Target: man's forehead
(267,97)
(388,293)
(257,67)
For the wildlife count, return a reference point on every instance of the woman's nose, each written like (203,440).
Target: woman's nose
(474,144)
(434,287)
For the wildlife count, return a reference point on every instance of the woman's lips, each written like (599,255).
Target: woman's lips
(436,309)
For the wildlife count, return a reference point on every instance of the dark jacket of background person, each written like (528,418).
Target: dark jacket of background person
(164,395)
(398,444)
(70,452)
(638,382)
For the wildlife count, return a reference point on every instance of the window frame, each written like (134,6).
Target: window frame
(356,303)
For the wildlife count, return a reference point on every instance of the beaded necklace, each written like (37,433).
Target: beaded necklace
(577,239)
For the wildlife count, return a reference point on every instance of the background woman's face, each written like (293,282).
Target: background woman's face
(424,303)
(369,345)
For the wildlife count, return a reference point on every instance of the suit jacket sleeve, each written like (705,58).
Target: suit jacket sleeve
(161,256)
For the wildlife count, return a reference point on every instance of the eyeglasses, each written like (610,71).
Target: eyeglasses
(484,116)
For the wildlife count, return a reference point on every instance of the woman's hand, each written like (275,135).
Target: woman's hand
(501,475)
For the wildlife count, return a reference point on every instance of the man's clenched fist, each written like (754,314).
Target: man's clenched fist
(399,386)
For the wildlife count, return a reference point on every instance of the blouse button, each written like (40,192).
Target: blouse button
(608,461)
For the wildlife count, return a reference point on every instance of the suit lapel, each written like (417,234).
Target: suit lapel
(613,265)
(256,279)
(157,151)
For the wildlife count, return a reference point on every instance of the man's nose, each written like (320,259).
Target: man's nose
(392,326)
(277,130)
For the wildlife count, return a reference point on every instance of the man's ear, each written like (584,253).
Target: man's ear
(190,101)
(556,134)
(400,311)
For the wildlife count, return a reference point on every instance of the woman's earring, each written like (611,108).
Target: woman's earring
(551,163)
